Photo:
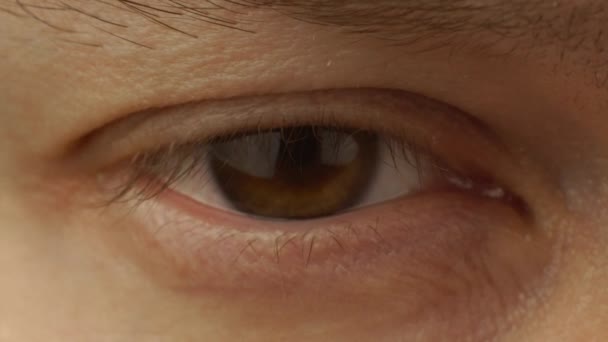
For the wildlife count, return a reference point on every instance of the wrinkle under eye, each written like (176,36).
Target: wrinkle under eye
(296,172)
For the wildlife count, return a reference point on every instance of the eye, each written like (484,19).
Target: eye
(298,172)
(356,192)
(293,173)
(302,172)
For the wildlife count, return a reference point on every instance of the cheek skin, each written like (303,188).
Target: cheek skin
(459,271)
(578,309)
(457,280)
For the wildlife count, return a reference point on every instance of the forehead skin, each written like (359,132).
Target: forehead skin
(570,29)
(70,34)
(547,22)
(568,32)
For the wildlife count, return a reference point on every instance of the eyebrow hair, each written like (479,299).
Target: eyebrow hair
(532,24)
(571,30)
(574,26)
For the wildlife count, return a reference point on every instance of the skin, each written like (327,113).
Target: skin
(69,270)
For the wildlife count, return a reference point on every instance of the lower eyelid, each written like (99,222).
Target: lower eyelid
(212,253)
(419,257)
(428,254)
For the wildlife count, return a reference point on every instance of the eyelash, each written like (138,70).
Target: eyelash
(150,173)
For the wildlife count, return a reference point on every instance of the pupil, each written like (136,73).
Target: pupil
(295,173)
(299,150)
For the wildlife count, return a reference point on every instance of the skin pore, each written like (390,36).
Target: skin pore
(514,91)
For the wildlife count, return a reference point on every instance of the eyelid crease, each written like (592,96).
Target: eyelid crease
(389,112)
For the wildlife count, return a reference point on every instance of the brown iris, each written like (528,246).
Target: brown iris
(295,173)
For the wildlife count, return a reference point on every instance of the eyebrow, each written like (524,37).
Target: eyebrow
(569,26)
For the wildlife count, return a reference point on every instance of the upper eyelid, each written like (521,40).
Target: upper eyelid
(153,128)
(458,140)
(442,131)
